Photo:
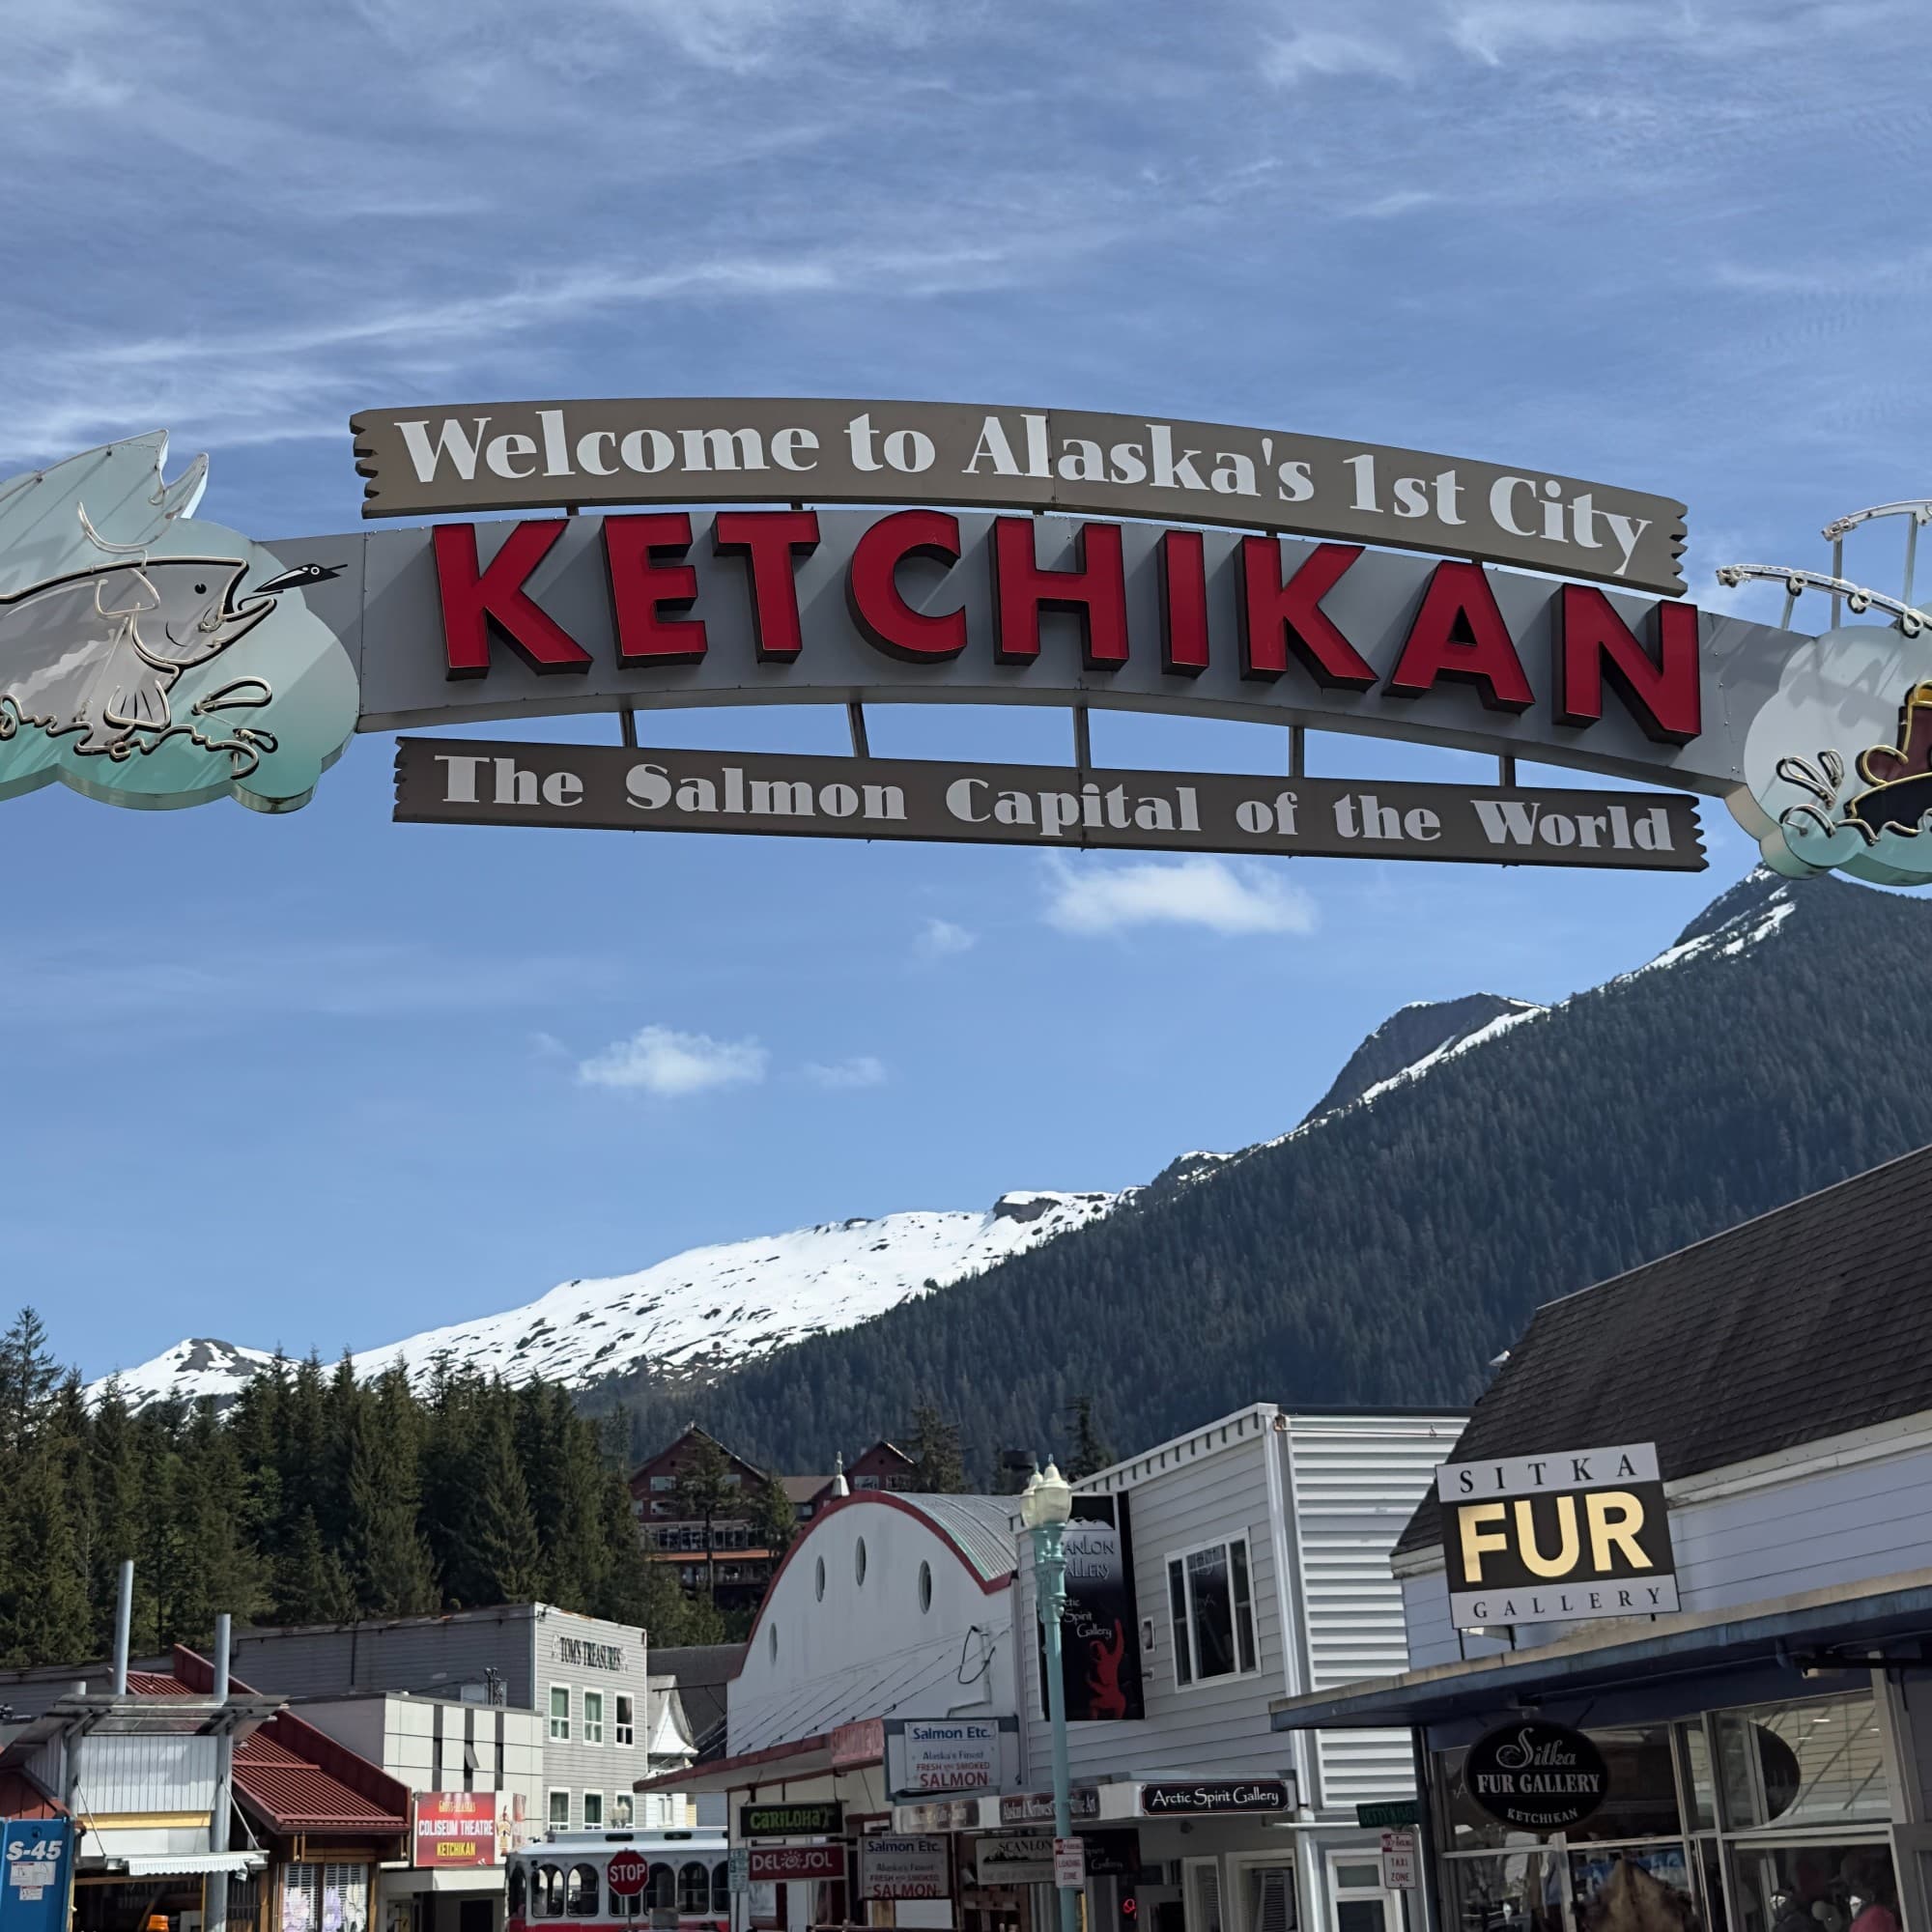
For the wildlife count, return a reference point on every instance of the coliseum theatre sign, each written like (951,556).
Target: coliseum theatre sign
(870,552)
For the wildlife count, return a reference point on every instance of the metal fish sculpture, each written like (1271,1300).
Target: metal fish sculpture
(96,653)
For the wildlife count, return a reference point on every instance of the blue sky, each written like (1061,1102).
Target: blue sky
(328,1080)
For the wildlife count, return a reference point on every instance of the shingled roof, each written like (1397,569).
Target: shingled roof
(1806,1322)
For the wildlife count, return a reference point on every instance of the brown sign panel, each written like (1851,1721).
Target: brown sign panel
(765,1863)
(1050,807)
(498,456)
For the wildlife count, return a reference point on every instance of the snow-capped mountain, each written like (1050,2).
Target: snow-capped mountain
(694,1316)
(691,1316)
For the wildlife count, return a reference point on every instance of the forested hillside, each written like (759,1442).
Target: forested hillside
(1386,1254)
(315,1498)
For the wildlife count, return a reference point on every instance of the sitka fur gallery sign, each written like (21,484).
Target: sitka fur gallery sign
(984,557)
(1552,1538)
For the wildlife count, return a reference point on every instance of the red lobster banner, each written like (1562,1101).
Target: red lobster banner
(1099,1635)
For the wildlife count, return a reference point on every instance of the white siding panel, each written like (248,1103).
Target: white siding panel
(1355,1480)
(134,1774)
(1209,1489)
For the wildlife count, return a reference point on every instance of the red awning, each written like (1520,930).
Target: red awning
(294,1795)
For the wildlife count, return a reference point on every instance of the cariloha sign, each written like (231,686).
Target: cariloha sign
(1536,1777)
(993,556)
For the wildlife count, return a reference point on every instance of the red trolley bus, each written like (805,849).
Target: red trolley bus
(564,1882)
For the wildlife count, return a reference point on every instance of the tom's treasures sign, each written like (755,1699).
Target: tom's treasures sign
(1551,1538)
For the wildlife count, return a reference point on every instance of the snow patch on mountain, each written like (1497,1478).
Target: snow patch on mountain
(1449,1049)
(690,1317)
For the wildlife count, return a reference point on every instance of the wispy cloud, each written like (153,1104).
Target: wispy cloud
(942,939)
(1230,898)
(670,1065)
(840,1075)
(86,989)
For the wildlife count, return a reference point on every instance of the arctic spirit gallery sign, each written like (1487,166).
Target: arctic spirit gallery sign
(1556,1537)
(1048,807)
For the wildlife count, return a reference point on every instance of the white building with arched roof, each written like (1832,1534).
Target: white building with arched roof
(890,1694)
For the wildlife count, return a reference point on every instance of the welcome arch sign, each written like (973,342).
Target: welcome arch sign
(626,556)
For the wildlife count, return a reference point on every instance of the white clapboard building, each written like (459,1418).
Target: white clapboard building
(895,1673)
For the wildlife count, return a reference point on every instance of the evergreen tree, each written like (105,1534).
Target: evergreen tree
(704,1488)
(218,1568)
(503,1532)
(311,1587)
(28,1377)
(43,1600)
(933,1444)
(1092,1451)
(774,1517)
(118,1481)
(383,1550)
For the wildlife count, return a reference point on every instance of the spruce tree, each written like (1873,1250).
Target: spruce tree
(119,1480)
(28,1377)
(774,1517)
(704,1488)
(507,1562)
(933,1444)
(384,1554)
(43,1601)
(1092,1451)
(310,1586)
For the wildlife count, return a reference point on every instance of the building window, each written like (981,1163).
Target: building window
(924,1587)
(623,1808)
(559,1712)
(559,1811)
(326,1894)
(1361,1905)
(593,1810)
(693,1888)
(582,1892)
(859,1562)
(593,1716)
(818,1580)
(1213,1611)
(1759,1817)
(663,1485)
(627,1728)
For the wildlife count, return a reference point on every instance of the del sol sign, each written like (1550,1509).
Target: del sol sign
(1536,1777)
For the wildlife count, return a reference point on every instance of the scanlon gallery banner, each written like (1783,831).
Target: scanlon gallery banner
(762,551)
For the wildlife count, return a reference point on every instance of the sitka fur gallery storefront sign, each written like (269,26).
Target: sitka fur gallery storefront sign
(983,556)
(1554,1538)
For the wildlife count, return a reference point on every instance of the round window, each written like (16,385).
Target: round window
(772,1643)
(926,1586)
(818,1579)
(859,1562)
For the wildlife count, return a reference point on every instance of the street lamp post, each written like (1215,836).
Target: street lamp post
(1045,1504)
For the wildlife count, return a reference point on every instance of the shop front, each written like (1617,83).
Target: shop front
(1684,1682)
(1164,1855)
(1740,1776)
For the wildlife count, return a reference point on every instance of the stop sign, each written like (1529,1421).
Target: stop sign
(628,1873)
